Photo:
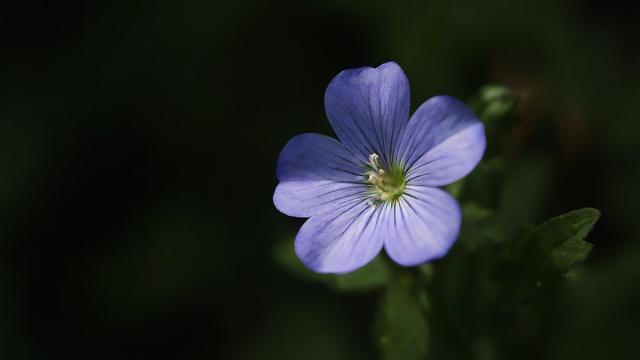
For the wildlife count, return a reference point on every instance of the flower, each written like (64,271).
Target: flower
(378,186)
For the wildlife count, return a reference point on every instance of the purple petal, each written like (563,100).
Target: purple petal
(316,174)
(368,108)
(422,226)
(443,142)
(341,240)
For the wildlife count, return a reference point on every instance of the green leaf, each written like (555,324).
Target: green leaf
(559,242)
(400,329)
(493,102)
(372,276)
(538,254)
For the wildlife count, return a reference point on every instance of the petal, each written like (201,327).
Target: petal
(342,240)
(443,142)
(368,108)
(316,174)
(422,226)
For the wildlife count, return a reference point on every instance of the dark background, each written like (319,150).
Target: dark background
(138,142)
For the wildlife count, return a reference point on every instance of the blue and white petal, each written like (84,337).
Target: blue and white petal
(443,142)
(422,226)
(368,108)
(341,240)
(316,174)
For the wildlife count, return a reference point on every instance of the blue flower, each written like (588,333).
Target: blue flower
(378,186)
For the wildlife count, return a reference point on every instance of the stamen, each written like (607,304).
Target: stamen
(386,184)
(374,161)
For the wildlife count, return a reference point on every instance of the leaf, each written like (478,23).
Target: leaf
(493,102)
(400,328)
(541,253)
(559,242)
(372,276)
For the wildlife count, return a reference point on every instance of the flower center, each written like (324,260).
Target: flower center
(386,184)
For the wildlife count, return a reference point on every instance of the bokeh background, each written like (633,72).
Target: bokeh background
(138,142)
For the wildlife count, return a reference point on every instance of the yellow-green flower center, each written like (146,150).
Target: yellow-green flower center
(386,183)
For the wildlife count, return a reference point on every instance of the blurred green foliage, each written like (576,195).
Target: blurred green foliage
(400,328)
